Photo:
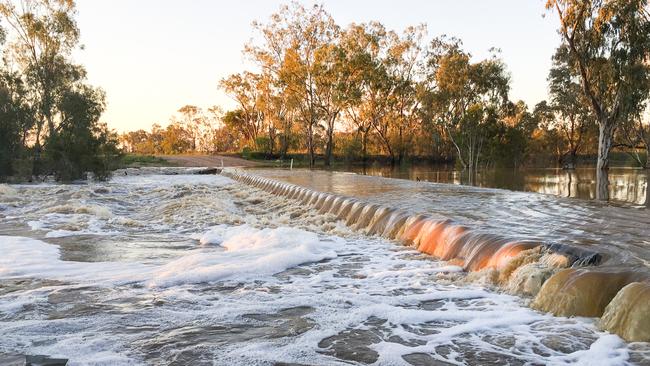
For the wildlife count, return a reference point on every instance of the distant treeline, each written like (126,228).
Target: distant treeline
(49,115)
(324,90)
(362,90)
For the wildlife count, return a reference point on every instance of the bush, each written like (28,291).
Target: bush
(81,144)
(246,153)
(350,148)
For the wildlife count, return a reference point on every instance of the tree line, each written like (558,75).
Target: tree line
(49,114)
(361,90)
(329,91)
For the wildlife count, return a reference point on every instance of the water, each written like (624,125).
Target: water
(626,185)
(186,269)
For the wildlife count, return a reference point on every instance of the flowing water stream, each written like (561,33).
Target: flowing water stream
(161,266)
(626,186)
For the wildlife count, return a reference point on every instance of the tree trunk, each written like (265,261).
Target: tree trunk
(647,189)
(571,164)
(605,137)
(310,145)
(647,156)
(36,159)
(602,184)
(364,145)
(329,148)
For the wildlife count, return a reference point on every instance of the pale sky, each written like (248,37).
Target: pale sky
(154,56)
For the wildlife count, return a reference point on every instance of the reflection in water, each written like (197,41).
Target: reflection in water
(618,184)
(602,185)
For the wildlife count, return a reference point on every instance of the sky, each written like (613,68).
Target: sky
(154,56)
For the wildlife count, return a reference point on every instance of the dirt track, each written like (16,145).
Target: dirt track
(207,161)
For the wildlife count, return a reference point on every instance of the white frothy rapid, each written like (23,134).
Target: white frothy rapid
(190,269)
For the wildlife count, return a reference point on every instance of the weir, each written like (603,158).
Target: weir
(562,279)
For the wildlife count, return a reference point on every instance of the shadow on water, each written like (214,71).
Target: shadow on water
(626,185)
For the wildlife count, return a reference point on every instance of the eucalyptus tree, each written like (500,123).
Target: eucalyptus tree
(44,35)
(332,84)
(404,67)
(366,102)
(194,123)
(15,121)
(290,44)
(248,119)
(572,116)
(635,135)
(65,111)
(609,46)
(465,98)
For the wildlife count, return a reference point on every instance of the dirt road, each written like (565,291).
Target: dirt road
(207,161)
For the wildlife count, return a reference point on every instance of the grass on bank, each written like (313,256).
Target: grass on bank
(138,160)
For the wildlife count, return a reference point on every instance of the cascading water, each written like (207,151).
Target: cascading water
(515,265)
(161,266)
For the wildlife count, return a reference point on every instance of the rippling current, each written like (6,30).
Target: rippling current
(153,268)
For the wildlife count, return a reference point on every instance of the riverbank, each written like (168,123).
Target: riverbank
(187,160)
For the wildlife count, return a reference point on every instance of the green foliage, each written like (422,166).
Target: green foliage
(469,100)
(9,132)
(264,145)
(80,144)
(49,116)
(246,153)
(349,147)
(142,160)
(606,45)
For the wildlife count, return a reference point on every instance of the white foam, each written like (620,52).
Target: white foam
(109,315)
(25,257)
(214,236)
(609,349)
(248,253)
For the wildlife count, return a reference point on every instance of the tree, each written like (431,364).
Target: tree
(249,117)
(609,45)
(466,98)
(572,116)
(80,143)
(175,139)
(14,122)
(57,113)
(403,65)
(194,122)
(331,85)
(291,40)
(635,135)
(46,33)
(366,99)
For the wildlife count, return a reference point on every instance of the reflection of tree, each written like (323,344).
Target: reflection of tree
(647,189)
(602,184)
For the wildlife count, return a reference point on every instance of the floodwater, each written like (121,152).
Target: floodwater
(161,266)
(626,185)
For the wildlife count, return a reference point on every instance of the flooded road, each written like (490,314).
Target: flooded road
(627,186)
(153,268)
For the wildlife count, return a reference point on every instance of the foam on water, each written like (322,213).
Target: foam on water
(248,253)
(30,258)
(202,270)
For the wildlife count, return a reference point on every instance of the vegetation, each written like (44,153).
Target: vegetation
(49,115)
(137,160)
(363,90)
(351,93)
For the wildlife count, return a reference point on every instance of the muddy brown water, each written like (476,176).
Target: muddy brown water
(133,271)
